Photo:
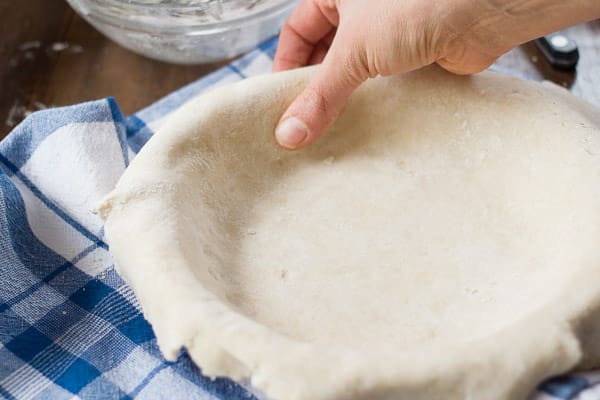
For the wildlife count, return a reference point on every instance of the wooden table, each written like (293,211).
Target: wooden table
(51,57)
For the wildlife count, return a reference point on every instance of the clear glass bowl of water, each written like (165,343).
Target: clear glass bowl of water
(186,31)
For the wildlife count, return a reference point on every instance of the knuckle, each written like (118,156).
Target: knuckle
(317,105)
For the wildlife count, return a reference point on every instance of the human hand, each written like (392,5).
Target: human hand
(355,41)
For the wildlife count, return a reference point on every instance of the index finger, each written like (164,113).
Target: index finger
(307,25)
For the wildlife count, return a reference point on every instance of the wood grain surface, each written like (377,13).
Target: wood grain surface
(51,57)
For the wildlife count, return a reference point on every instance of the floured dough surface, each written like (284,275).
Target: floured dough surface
(418,249)
(417,239)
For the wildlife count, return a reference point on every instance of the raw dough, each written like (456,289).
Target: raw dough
(440,242)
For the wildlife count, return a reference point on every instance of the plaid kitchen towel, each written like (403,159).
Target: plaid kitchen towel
(69,326)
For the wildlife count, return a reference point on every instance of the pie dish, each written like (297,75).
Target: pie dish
(439,242)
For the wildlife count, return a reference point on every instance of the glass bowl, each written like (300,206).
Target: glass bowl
(186,31)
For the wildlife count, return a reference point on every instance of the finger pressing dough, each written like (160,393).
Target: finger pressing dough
(441,241)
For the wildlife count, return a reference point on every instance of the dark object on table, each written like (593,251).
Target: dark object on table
(559,50)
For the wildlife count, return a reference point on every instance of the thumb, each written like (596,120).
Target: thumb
(317,107)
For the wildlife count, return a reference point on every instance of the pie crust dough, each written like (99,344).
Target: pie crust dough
(441,241)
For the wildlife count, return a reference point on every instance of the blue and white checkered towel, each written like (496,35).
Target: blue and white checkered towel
(69,326)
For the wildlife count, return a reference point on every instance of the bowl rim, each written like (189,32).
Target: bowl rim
(100,10)
(199,4)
